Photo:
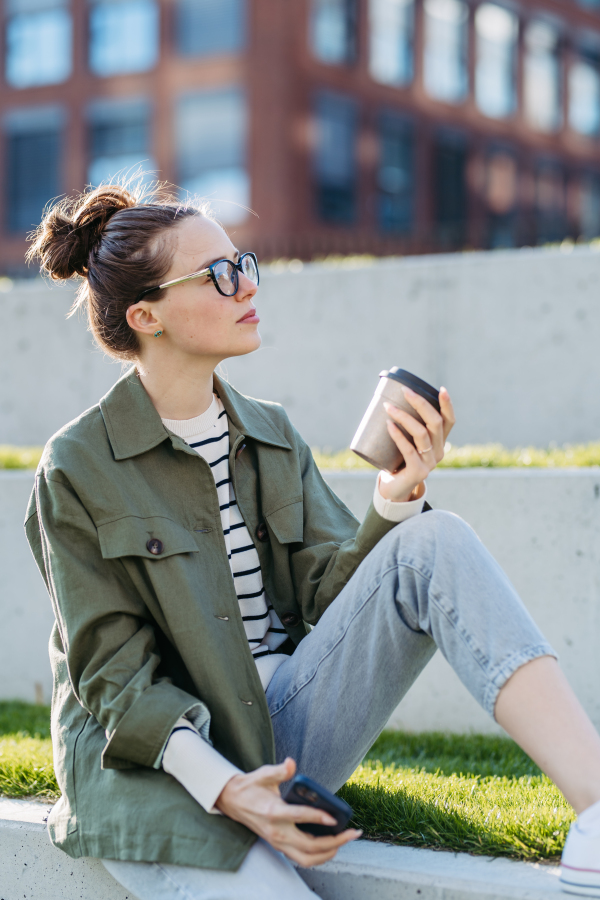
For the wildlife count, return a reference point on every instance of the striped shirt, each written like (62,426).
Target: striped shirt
(208,435)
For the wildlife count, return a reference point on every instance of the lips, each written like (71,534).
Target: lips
(250,318)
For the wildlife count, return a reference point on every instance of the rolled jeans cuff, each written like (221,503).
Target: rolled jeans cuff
(508,667)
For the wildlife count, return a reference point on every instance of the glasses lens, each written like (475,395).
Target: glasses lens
(226,276)
(249,268)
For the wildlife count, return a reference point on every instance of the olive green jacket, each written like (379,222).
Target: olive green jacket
(142,637)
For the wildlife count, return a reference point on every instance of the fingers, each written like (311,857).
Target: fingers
(291,812)
(273,776)
(447,411)
(314,851)
(411,456)
(423,439)
(434,422)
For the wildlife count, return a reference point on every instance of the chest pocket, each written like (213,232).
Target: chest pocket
(153,537)
(287,523)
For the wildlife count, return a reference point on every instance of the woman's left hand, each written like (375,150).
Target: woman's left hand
(430,438)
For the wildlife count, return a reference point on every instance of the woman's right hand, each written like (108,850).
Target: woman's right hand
(254,800)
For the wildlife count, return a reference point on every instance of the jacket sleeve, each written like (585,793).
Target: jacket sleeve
(107,633)
(334,543)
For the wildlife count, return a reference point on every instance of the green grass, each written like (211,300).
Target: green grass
(474,793)
(484,456)
(19,457)
(479,794)
(469,456)
(26,768)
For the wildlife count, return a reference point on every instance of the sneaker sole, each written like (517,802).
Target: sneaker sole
(580,887)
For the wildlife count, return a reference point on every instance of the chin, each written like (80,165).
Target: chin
(250,343)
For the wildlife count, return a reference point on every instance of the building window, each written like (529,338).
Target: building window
(550,206)
(496,31)
(333,31)
(445,62)
(32,175)
(39,39)
(395,176)
(391,27)
(119,139)
(501,188)
(584,94)
(124,36)
(589,206)
(208,27)
(450,200)
(541,89)
(211,131)
(335,158)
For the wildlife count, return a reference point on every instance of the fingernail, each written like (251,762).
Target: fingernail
(407,390)
(387,406)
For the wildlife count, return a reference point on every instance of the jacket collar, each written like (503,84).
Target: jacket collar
(134,425)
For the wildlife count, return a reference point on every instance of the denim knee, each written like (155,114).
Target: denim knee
(437,523)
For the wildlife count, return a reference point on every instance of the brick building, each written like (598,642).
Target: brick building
(376,126)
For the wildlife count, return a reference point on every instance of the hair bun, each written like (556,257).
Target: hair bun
(72,228)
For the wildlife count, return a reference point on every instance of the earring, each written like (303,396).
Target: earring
(157,333)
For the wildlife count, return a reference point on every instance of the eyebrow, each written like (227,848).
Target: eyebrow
(236,256)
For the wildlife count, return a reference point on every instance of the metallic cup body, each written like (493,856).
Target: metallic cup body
(372,440)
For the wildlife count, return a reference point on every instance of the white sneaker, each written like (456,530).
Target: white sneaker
(580,863)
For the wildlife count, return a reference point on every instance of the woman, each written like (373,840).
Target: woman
(185,536)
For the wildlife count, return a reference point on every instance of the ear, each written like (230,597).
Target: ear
(141,317)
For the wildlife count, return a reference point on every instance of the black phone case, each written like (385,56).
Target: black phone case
(303,791)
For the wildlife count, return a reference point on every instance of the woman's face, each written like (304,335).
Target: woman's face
(194,317)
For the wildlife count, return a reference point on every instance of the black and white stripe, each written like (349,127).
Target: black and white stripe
(208,435)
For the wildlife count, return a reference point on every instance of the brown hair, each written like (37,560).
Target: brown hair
(118,244)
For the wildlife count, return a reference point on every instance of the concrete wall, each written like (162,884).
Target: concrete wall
(25,613)
(543,527)
(49,369)
(512,334)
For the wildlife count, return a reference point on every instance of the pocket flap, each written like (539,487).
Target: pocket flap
(287,523)
(129,536)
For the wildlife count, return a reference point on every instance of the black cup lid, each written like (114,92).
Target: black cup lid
(414,383)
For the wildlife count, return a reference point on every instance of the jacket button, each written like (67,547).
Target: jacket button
(155,547)
(262,533)
(290,619)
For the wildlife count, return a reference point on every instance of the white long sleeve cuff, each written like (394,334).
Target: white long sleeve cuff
(196,765)
(397,512)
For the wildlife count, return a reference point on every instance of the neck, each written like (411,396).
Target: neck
(179,389)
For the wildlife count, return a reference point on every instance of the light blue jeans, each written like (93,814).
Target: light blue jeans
(430,583)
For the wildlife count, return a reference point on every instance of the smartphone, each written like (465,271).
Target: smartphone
(303,791)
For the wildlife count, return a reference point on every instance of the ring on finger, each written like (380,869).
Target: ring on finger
(426,450)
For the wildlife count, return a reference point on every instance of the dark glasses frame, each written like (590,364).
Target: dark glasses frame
(209,270)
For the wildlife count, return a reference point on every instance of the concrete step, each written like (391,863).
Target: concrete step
(31,868)
(366,870)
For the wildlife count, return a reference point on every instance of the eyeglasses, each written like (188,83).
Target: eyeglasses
(224,274)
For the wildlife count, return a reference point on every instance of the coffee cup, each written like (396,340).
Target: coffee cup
(372,440)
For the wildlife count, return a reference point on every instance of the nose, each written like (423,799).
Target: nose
(246,288)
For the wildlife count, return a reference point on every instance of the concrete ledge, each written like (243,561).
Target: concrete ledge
(369,871)
(31,868)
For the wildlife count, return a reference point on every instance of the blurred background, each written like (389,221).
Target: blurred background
(347,126)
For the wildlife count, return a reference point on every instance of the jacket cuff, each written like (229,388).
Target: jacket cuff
(397,512)
(143,731)
(197,766)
